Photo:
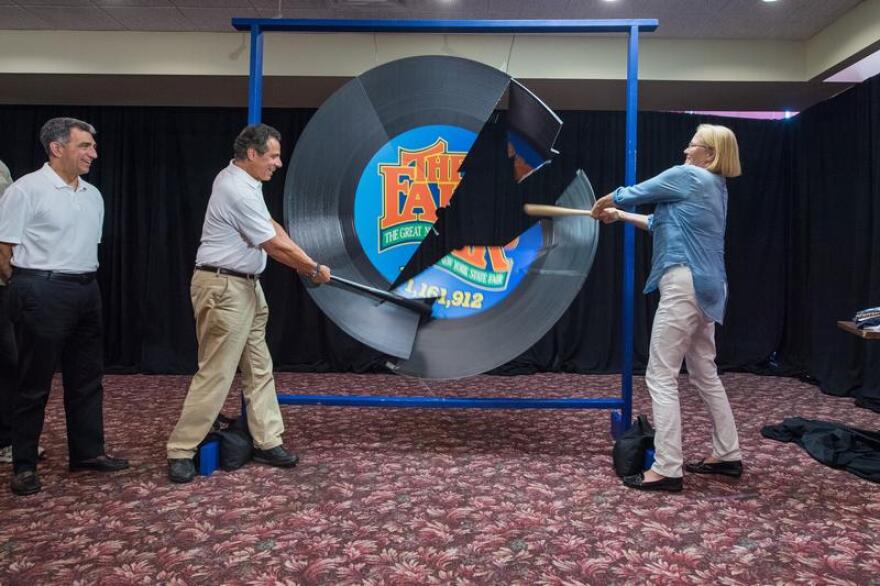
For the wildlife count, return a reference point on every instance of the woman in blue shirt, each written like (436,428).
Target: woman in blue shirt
(688,268)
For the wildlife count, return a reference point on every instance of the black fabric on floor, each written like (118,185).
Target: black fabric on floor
(855,450)
(868,402)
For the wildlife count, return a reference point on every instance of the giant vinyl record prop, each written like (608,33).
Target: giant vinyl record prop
(368,174)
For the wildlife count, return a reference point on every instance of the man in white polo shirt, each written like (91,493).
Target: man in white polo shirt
(8,352)
(230,308)
(51,220)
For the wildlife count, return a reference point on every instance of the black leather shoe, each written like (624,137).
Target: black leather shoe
(733,469)
(668,484)
(25,483)
(181,470)
(103,463)
(276,456)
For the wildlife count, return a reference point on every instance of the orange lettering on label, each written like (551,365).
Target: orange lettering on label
(407,194)
(419,198)
(472,255)
(476,256)
(397,181)
(499,260)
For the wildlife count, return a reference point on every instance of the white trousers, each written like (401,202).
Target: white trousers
(681,331)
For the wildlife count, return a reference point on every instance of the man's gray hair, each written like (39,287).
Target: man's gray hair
(254,137)
(58,130)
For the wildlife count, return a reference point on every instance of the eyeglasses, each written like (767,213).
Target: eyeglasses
(695,145)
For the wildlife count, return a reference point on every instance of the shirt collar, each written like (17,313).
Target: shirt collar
(59,183)
(244,175)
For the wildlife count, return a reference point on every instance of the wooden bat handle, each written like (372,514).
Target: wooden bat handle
(534,209)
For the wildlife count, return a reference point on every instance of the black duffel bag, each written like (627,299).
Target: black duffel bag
(236,445)
(630,447)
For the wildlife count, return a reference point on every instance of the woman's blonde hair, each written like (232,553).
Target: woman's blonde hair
(723,142)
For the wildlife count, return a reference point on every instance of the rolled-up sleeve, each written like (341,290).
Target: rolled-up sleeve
(674,184)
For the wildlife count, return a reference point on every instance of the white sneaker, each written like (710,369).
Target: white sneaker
(6,454)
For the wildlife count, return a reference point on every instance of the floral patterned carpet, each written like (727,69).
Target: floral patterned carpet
(451,497)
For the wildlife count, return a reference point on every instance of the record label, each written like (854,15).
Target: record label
(395,205)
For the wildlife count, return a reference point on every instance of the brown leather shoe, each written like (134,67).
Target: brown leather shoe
(733,469)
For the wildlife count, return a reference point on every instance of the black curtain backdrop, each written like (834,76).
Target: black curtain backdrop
(834,242)
(803,239)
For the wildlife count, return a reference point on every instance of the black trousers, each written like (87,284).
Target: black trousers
(57,319)
(8,367)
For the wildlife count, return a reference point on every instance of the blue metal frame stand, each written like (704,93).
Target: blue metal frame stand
(621,416)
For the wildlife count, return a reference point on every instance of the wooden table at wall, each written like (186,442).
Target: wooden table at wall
(850,327)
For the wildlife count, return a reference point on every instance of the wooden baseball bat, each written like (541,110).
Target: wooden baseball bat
(545,211)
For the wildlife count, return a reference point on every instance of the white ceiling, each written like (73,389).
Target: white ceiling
(700,19)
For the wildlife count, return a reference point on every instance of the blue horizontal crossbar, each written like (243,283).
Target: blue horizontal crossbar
(448,402)
(444,26)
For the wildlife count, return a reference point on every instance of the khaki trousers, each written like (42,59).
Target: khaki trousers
(231,315)
(681,331)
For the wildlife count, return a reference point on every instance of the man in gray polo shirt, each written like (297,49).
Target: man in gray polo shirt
(230,308)
(51,222)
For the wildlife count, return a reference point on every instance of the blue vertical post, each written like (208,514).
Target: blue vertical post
(255,111)
(255,81)
(629,237)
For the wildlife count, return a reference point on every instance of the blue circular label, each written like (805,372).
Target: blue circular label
(395,206)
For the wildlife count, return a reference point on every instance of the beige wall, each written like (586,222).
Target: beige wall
(852,36)
(347,55)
